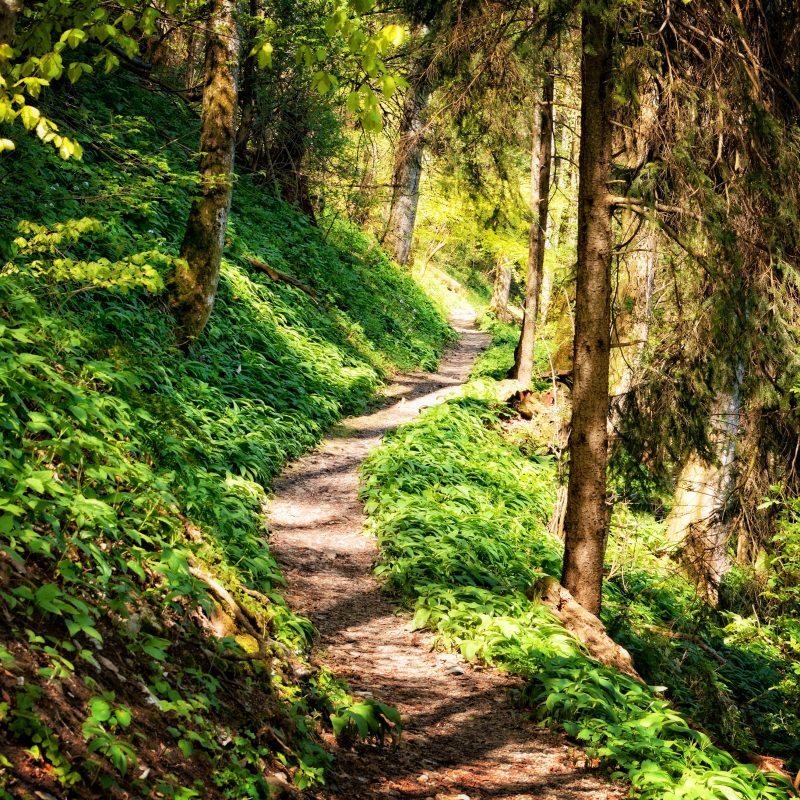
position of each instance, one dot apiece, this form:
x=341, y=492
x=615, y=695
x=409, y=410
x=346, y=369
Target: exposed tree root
x=246, y=619
x=584, y=625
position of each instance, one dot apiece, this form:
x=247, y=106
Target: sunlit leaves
x=367, y=49
x=51, y=47
x=136, y=271
x=75, y=36
x=263, y=54
x=29, y=116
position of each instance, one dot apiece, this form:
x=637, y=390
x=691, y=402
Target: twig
x=689, y=637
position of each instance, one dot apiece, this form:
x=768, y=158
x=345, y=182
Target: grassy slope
x=459, y=513
x=124, y=462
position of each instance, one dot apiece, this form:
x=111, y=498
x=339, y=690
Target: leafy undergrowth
x=459, y=513
x=735, y=674
x=145, y=649
x=496, y=361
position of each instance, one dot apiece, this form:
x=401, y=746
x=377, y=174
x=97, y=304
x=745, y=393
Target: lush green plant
x=497, y=360
x=459, y=512
x=744, y=689
x=125, y=462
x=366, y=719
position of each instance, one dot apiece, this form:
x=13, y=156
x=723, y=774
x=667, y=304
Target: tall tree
x=541, y=159
x=634, y=290
x=638, y=257
x=408, y=164
x=586, y=520
x=247, y=89
x=195, y=281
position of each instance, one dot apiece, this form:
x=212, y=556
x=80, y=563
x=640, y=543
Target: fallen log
x=281, y=277
x=584, y=625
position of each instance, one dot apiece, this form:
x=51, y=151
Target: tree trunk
x=408, y=170
x=586, y=520
x=636, y=277
x=362, y=204
x=548, y=274
x=194, y=285
x=696, y=525
x=541, y=159
x=247, y=89
x=501, y=292
x=632, y=321
x=9, y=11
x=191, y=57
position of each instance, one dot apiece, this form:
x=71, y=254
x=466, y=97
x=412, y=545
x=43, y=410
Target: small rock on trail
x=462, y=736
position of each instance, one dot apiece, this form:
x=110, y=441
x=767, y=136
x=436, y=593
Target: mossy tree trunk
x=635, y=285
x=408, y=169
x=541, y=160
x=586, y=519
x=635, y=280
x=194, y=284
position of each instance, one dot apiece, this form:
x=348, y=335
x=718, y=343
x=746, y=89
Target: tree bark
x=586, y=520
x=548, y=275
x=697, y=530
x=636, y=277
x=408, y=169
x=632, y=321
x=9, y=11
x=541, y=160
x=582, y=624
x=194, y=284
x=191, y=57
x=501, y=292
x=247, y=88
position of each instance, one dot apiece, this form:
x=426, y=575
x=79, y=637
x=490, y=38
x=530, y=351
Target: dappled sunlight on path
x=462, y=736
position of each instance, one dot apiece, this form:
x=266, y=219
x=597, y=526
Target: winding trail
x=462, y=737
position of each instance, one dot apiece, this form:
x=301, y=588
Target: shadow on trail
x=462, y=735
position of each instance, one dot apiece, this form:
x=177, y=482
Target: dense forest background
x=224, y=225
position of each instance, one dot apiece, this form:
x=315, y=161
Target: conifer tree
x=586, y=520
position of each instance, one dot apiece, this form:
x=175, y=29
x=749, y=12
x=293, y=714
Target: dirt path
x=462, y=738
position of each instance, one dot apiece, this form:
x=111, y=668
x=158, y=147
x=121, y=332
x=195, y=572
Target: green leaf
x=29, y=116
x=46, y=596
x=264, y=55
x=100, y=709
x=123, y=716
x=73, y=37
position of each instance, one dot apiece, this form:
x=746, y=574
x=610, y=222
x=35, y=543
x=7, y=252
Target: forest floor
x=462, y=737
